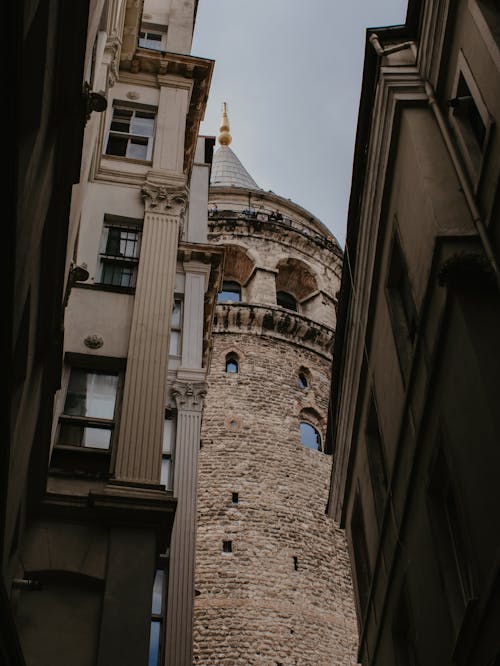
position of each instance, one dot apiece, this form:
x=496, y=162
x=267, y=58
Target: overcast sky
x=290, y=72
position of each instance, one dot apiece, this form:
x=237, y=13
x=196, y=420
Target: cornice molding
x=288, y=232
x=273, y=321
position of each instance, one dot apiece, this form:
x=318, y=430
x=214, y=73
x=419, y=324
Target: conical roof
x=227, y=170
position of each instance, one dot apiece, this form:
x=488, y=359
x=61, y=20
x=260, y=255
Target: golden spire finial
x=224, y=137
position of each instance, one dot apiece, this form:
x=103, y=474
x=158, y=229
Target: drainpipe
x=464, y=183
x=387, y=50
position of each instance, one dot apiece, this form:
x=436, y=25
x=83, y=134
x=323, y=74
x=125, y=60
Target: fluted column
x=189, y=400
x=138, y=457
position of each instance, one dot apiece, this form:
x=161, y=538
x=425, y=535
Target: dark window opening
x=302, y=381
x=465, y=109
x=167, y=451
x=376, y=462
x=403, y=632
x=230, y=292
x=309, y=436
x=451, y=540
x=232, y=363
x=295, y=563
x=227, y=546
x=235, y=498
x=361, y=561
x=286, y=300
x=158, y=609
x=401, y=306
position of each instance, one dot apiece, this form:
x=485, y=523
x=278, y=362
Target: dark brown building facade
x=415, y=424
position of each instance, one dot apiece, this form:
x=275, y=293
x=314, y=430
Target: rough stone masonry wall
x=259, y=605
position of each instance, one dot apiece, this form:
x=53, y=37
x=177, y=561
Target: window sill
x=128, y=160
x=99, y=286
x=79, y=462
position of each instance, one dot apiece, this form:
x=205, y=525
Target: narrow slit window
x=227, y=546
x=232, y=365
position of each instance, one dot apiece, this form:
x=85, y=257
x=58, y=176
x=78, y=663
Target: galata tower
x=272, y=571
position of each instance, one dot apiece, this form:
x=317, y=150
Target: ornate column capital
x=162, y=199
x=111, y=57
x=189, y=396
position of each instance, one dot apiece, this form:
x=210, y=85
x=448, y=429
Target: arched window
x=232, y=362
x=309, y=436
x=286, y=300
x=230, y=292
x=302, y=380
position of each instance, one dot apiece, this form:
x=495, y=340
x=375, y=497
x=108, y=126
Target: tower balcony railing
x=276, y=322
x=257, y=220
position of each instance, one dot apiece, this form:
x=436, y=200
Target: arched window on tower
x=230, y=292
x=286, y=300
x=232, y=364
x=309, y=436
x=302, y=380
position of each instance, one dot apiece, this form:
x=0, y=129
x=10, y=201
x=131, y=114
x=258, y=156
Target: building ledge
x=276, y=322
x=120, y=505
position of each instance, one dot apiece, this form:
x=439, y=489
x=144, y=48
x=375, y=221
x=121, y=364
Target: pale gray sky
x=290, y=72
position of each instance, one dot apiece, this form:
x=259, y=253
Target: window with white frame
x=153, y=37
x=168, y=447
x=88, y=419
x=131, y=132
x=120, y=247
x=86, y=427
x=176, y=328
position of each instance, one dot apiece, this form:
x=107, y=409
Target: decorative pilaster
x=189, y=399
x=196, y=282
x=139, y=444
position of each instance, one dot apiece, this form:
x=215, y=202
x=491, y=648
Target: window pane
x=117, y=145
x=158, y=592
x=76, y=397
x=165, y=472
x=76, y=435
x=118, y=274
x=143, y=124
x=91, y=394
x=231, y=291
x=175, y=322
x=309, y=436
x=138, y=149
x=96, y=438
x=175, y=343
x=150, y=41
x=168, y=435
x=128, y=243
x=113, y=242
x=231, y=366
x=101, y=395
x=154, y=643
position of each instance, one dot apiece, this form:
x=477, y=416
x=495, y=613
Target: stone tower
x=272, y=571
